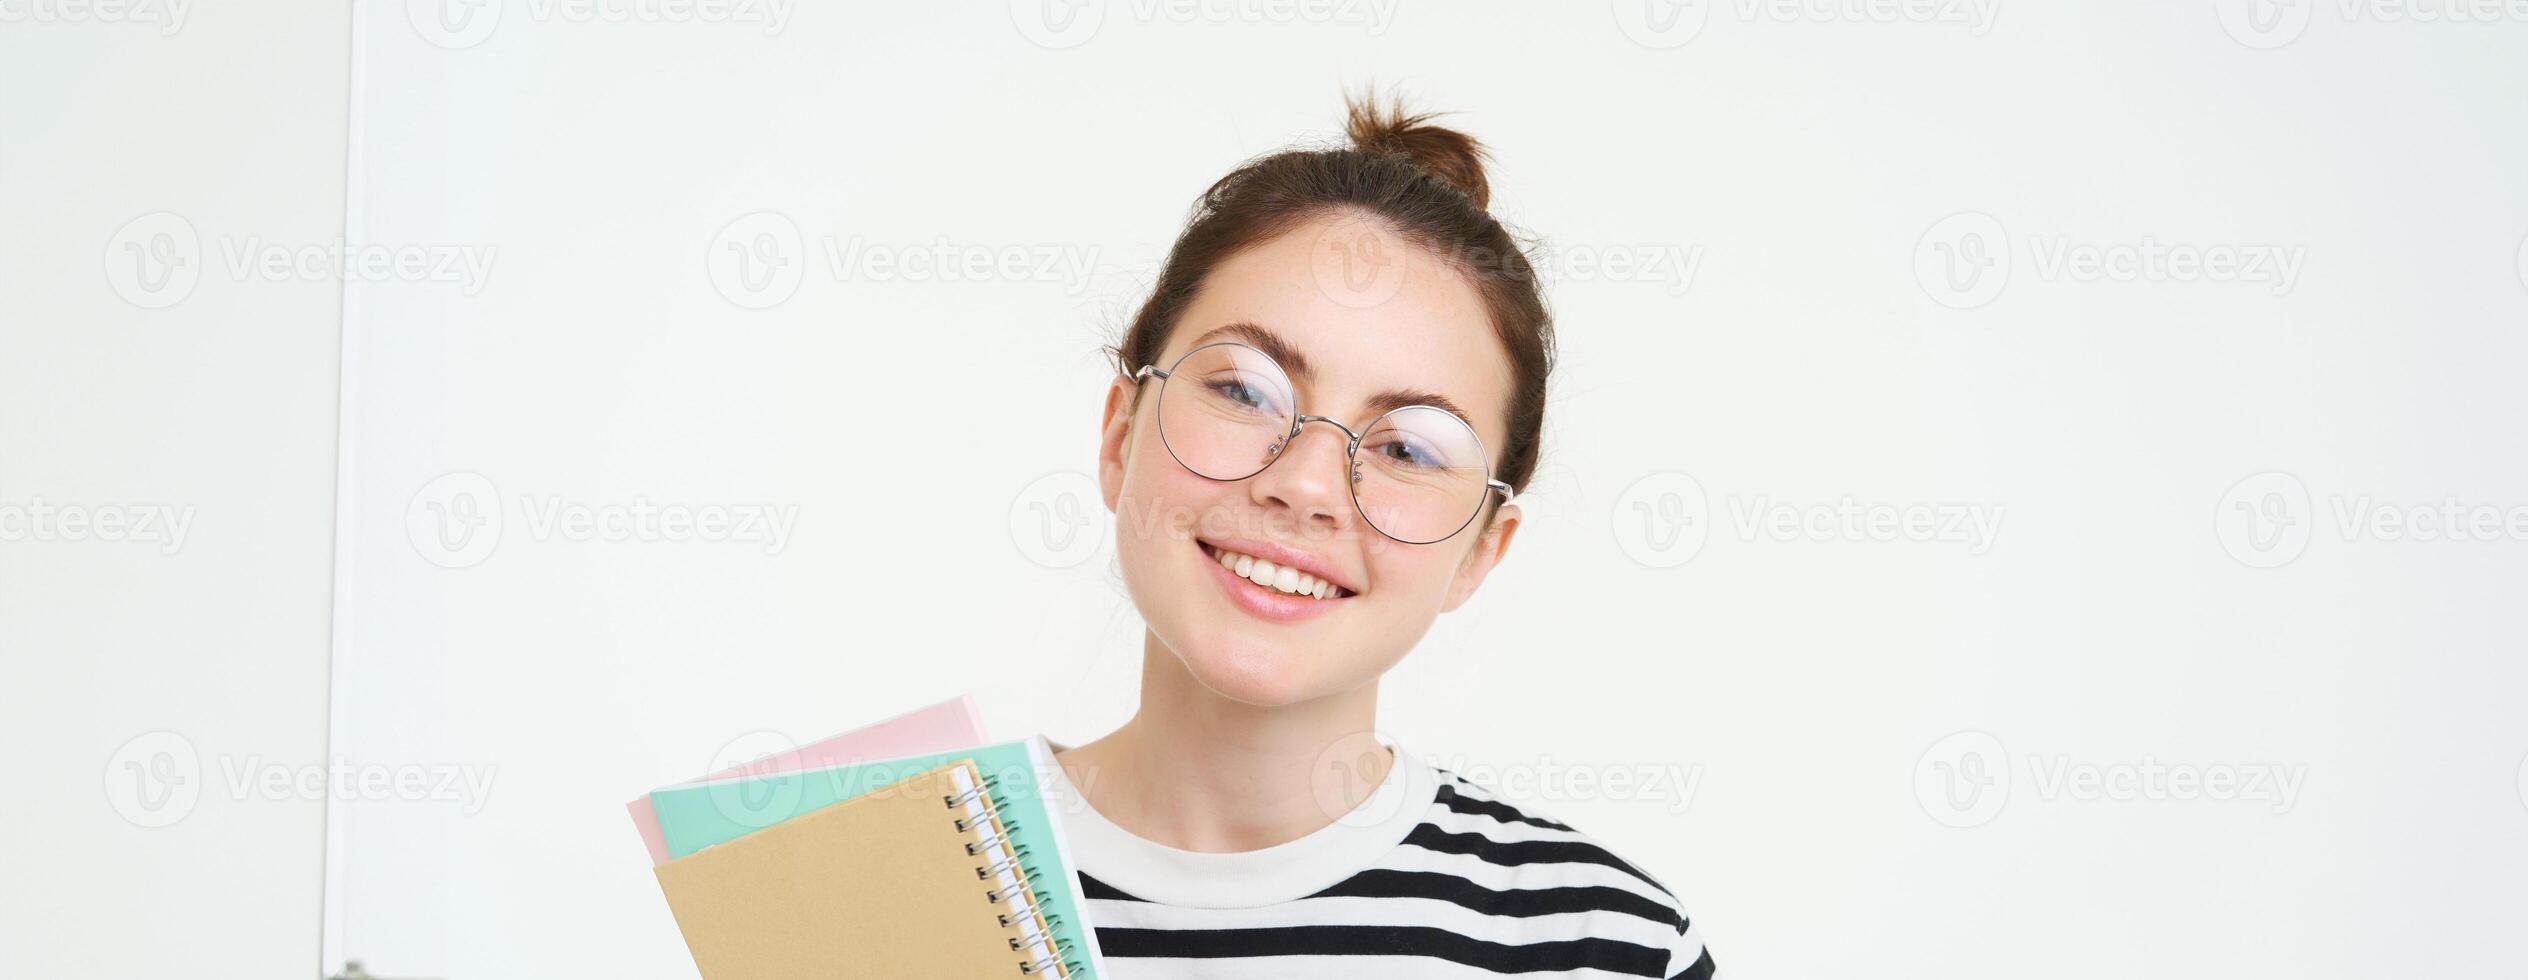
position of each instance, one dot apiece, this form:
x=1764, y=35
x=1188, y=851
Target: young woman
x=1320, y=418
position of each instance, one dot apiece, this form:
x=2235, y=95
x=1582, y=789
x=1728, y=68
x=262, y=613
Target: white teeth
x=1271, y=576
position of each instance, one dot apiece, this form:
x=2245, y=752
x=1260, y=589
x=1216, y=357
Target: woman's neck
x=1199, y=772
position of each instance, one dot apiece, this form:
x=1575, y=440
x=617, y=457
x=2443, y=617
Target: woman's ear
x=1490, y=547
x=1114, y=439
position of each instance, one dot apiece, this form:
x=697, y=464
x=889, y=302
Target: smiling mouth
x=1266, y=575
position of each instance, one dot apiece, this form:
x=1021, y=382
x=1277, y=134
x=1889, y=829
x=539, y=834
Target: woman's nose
x=1311, y=474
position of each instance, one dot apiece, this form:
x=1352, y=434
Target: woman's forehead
x=1427, y=331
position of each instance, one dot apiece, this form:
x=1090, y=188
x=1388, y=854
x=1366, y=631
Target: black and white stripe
x=1477, y=888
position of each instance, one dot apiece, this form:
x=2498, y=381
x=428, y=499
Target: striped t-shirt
x=1430, y=877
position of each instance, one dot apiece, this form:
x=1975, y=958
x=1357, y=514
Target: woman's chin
x=1259, y=674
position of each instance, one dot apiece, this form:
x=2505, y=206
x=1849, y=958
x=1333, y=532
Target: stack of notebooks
x=905, y=849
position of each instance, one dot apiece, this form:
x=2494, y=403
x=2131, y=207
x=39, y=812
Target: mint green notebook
x=695, y=816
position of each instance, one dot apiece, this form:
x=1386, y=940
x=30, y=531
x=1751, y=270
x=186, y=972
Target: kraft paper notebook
x=934, y=866
x=947, y=725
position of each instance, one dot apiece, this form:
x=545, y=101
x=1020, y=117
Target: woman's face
x=1368, y=315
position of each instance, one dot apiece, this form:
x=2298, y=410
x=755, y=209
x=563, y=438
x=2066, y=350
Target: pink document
x=942, y=727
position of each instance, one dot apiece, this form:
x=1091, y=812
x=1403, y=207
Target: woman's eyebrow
x=1264, y=340
x=1395, y=398
x=1291, y=360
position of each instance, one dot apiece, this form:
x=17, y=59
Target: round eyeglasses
x=1226, y=410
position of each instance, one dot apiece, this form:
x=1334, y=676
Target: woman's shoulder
x=1523, y=862
x=1468, y=817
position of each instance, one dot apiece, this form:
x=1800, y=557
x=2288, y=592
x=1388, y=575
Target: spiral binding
x=1023, y=910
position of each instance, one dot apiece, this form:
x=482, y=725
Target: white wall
x=1813, y=690
x=193, y=645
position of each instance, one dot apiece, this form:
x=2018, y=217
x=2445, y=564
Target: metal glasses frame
x=1351, y=447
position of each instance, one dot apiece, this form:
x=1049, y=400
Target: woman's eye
x=1405, y=453
x=1238, y=391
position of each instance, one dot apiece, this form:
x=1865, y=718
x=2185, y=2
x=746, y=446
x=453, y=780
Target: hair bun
x=1453, y=157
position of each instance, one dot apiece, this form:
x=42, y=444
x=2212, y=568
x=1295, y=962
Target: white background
x=1809, y=160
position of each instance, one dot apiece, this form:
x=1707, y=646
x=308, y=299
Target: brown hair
x=1426, y=183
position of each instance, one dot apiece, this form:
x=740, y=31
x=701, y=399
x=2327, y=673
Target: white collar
x=1284, y=872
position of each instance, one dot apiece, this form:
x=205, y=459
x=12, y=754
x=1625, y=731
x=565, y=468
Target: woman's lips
x=1262, y=602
